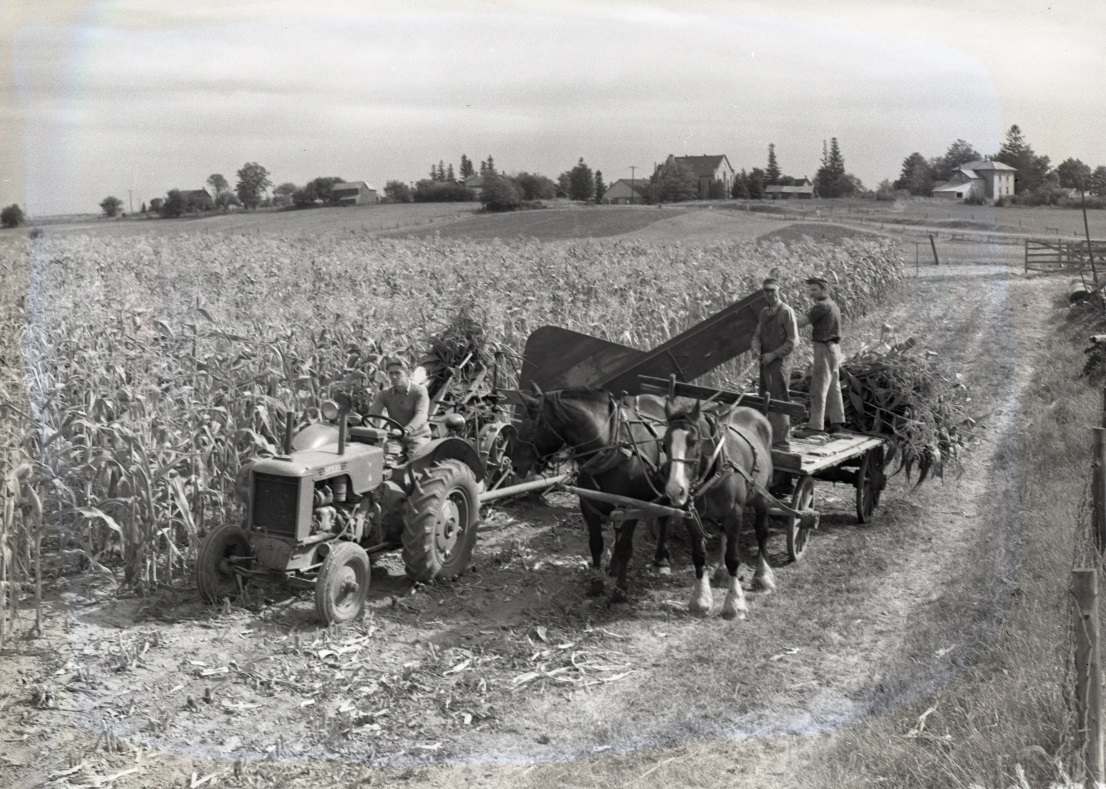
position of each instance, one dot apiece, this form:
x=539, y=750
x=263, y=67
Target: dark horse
x=721, y=465
x=617, y=448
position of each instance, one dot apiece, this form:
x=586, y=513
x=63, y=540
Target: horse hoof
x=617, y=596
x=730, y=613
x=764, y=584
x=700, y=607
x=596, y=587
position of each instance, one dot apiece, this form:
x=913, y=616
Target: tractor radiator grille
x=275, y=503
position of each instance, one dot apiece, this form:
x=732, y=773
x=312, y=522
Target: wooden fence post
x=933, y=244
x=1088, y=678
x=1098, y=488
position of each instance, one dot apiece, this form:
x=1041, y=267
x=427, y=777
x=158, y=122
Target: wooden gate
x=1045, y=255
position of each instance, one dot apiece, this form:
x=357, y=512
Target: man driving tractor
x=407, y=403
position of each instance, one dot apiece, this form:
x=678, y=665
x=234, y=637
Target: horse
x=720, y=465
x=618, y=450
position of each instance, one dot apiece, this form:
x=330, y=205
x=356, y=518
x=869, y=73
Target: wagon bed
x=817, y=455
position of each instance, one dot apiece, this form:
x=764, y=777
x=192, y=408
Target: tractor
x=334, y=497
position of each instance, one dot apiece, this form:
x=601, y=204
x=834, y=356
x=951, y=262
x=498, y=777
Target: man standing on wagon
x=824, y=319
x=773, y=341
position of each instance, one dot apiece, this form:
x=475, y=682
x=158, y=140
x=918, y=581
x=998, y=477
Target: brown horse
x=721, y=466
x=617, y=449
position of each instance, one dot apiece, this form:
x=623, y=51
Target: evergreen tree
x=740, y=189
x=832, y=180
x=143, y=208
x=483, y=168
x=491, y=165
x=959, y=153
x=755, y=183
x=600, y=186
x=772, y=173
x=466, y=167
x=1016, y=152
x=917, y=175
x=449, y=173
x=441, y=170
x=581, y=182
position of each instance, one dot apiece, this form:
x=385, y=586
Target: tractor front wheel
x=443, y=513
x=218, y=553
x=342, y=584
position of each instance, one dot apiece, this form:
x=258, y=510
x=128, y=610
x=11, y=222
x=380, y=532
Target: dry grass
x=1001, y=718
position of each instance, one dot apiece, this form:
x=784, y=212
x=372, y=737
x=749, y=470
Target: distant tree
x=225, y=200
x=286, y=189
x=253, y=179
x=500, y=193
x=429, y=191
x=111, y=205
x=466, y=167
x=449, y=173
x=1073, y=174
x=174, y=205
x=491, y=165
x=398, y=192
x=832, y=179
x=886, y=190
x=143, y=208
x=535, y=186
x=1016, y=152
x=755, y=183
x=323, y=188
x=674, y=182
x=12, y=216
x=600, y=186
x=740, y=188
x=156, y=204
x=959, y=153
x=917, y=175
x=772, y=172
x=1098, y=181
x=218, y=183
x=581, y=182
x=483, y=167
x=564, y=183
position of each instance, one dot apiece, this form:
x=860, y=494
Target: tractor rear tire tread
x=436, y=484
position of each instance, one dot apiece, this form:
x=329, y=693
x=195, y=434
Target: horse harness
x=720, y=463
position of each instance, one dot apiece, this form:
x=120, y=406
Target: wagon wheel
x=870, y=481
x=797, y=533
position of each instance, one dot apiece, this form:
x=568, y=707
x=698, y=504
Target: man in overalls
x=773, y=341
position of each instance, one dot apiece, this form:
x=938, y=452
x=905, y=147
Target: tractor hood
x=362, y=463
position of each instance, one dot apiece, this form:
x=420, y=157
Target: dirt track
x=513, y=677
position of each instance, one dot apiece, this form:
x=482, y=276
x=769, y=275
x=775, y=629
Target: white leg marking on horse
x=735, y=606
x=702, y=598
x=764, y=579
x=676, y=488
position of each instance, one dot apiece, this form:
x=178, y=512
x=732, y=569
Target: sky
x=136, y=97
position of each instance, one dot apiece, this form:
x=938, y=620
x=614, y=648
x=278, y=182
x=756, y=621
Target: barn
x=354, y=193
x=713, y=172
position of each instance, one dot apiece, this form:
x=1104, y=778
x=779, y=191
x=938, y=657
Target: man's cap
x=395, y=361
x=817, y=281
x=770, y=282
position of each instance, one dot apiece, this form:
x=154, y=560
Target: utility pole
x=633, y=188
x=130, y=200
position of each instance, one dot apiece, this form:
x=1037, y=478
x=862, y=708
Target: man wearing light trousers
x=824, y=319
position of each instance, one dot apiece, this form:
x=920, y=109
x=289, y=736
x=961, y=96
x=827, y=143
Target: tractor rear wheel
x=443, y=513
x=342, y=583
x=215, y=576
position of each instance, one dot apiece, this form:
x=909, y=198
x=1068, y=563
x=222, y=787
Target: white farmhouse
x=980, y=180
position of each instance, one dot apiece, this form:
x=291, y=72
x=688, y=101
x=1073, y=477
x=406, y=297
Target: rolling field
x=151, y=366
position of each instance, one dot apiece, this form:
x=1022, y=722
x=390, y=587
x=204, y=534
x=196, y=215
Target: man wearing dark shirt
x=773, y=341
x=407, y=403
x=824, y=319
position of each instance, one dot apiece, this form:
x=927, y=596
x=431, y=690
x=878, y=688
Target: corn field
x=138, y=375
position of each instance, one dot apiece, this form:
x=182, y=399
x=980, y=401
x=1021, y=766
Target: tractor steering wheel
x=388, y=420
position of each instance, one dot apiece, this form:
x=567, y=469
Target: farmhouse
x=980, y=180
x=799, y=191
x=627, y=190
x=714, y=173
x=475, y=184
x=197, y=200
x=354, y=193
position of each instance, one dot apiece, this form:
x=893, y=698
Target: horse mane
x=592, y=393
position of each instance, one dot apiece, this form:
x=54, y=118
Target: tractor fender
x=315, y=436
x=449, y=448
